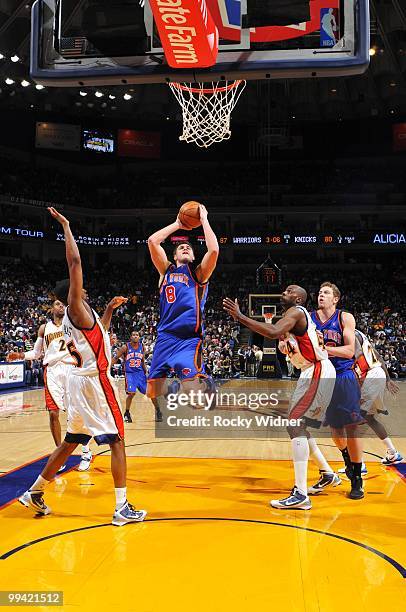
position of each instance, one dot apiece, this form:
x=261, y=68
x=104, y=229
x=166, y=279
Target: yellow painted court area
x=210, y=541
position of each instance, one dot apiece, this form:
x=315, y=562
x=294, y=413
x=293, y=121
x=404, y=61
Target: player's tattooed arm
x=346, y=351
x=116, y=302
x=292, y=317
x=158, y=255
x=80, y=313
x=206, y=268
x=120, y=353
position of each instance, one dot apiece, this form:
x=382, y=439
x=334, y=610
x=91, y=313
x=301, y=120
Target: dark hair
x=61, y=290
x=180, y=244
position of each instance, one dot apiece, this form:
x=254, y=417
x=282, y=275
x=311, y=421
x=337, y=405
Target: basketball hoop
x=268, y=316
x=206, y=110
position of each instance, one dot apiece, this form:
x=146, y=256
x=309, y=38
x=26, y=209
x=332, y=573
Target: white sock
x=39, y=484
x=300, y=450
x=389, y=446
x=85, y=448
x=121, y=497
x=318, y=457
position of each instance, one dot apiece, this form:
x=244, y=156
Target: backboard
x=101, y=42
x=260, y=304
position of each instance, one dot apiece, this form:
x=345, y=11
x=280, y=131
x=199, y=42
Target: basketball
x=189, y=214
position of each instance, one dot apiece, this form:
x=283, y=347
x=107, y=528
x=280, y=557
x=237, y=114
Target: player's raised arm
x=116, y=302
x=272, y=331
x=158, y=255
x=81, y=315
x=206, y=268
x=347, y=350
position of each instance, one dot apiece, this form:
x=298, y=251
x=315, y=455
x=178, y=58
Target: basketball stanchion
x=206, y=110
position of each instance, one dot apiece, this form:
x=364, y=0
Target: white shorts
x=93, y=409
x=313, y=393
x=55, y=382
x=373, y=391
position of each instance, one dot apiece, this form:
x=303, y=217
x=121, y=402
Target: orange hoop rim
x=206, y=90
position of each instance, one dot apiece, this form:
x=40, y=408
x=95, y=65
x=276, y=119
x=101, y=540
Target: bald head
x=301, y=294
x=292, y=296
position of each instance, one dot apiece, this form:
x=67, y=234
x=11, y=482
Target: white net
x=206, y=110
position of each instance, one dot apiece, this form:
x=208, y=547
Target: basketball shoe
x=85, y=462
x=35, y=500
x=127, y=417
x=128, y=514
x=326, y=480
x=357, y=491
x=296, y=499
x=392, y=459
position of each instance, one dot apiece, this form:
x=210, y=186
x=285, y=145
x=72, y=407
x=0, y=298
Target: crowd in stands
x=373, y=296
x=162, y=185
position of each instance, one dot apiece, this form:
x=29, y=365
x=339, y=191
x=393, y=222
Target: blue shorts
x=135, y=381
x=344, y=408
x=184, y=356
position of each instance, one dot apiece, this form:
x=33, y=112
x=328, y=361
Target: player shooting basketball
x=183, y=290
x=313, y=392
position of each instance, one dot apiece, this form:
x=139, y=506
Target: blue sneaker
x=296, y=499
x=128, y=514
x=35, y=500
x=392, y=459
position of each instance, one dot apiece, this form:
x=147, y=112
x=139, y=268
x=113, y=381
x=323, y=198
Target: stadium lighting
x=112, y=97
x=372, y=51
x=25, y=83
x=15, y=58
x=99, y=94
x=83, y=93
x=39, y=87
x=1, y=56
x=9, y=81
x=127, y=96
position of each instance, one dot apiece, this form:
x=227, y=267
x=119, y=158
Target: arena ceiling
x=381, y=92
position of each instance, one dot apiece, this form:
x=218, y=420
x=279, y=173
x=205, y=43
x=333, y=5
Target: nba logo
x=329, y=27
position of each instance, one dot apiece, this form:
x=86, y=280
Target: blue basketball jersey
x=133, y=359
x=332, y=330
x=182, y=300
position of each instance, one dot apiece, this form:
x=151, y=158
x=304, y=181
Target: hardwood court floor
x=211, y=540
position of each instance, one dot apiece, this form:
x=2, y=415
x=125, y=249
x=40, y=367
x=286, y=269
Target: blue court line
x=14, y=483
x=397, y=566
x=401, y=468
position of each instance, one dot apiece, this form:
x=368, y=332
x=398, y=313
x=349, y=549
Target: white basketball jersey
x=304, y=351
x=90, y=348
x=55, y=349
x=365, y=358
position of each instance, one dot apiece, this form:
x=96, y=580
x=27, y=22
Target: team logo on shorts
x=186, y=371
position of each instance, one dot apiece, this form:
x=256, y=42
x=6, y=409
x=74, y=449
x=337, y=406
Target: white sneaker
x=296, y=499
x=35, y=500
x=363, y=469
x=61, y=469
x=128, y=514
x=84, y=464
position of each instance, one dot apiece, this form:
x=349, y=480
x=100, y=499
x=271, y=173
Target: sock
x=346, y=457
x=85, y=448
x=318, y=457
x=121, y=497
x=357, y=469
x=389, y=446
x=300, y=450
x=39, y=484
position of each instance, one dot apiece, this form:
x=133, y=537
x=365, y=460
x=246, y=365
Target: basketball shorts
x=373, y=391
x=93, y=409
x=55, y=383
x=313, y=393
x=183, y=356
x=135, y=381
x=345, y=405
